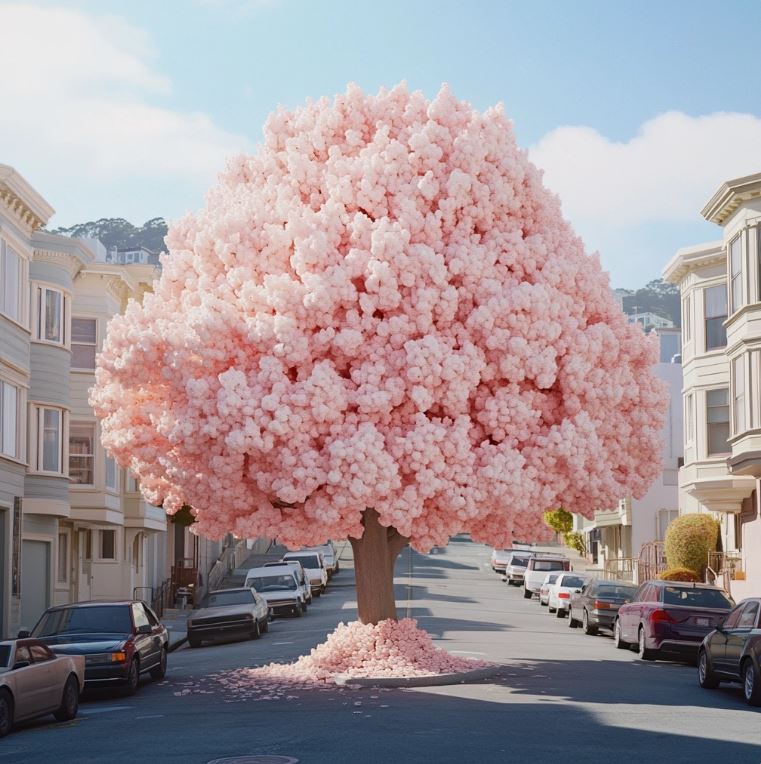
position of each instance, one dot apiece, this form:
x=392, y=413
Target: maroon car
x=670, y=618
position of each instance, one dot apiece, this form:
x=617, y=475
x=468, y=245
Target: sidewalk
x=175, y=621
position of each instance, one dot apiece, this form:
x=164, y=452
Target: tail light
x=602, y=605
x=563, y=595
x=661, y=616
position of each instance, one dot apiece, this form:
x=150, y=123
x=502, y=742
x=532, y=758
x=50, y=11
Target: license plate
x=703, y=621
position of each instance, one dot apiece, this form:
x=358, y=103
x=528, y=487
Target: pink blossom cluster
x=382, y=307
x=356, y=650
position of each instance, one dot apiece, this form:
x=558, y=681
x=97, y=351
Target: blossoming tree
x=380, y=327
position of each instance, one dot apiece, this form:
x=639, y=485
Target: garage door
x=35, y=578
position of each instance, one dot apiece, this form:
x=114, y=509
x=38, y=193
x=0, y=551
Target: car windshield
x=572, y=581
x=307, y=560
x=97, y=619
x=218, y=599
x=608, y=590
x=272, y=583
x=549, y=565
x=519, y=562
x=5, y=654
x=678, y=595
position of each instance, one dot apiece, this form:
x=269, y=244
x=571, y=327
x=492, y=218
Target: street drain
x=259, y=759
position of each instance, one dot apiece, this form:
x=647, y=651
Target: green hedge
x=689, y=539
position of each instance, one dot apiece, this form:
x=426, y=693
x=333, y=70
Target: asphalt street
x=561, y=694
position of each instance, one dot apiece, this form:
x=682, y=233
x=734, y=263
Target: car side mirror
x=144, y=629
x=24, y=634
x=21, y=664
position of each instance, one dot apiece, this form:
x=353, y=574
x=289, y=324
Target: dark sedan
x=732, y=652
x=120, y=640
x=670, y=618
x=596, y=605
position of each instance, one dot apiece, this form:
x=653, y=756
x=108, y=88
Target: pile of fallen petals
x=356, y=650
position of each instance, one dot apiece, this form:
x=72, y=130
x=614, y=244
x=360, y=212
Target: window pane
x=83, y=330
x=51, y=440
x=108, y=545
x=11, y=283
x=110, y=472
x=52, y=315
x=8, y=417
x=82, y=356
x=716, y=301
x=716, y=334
x=81, y=444
x=718, y=397
x=718, y=435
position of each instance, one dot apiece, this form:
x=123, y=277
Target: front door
x=35, y=581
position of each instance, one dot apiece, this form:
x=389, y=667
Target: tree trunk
x=374, y=556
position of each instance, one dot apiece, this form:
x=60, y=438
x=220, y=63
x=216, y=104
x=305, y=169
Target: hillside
x=656, y=297
x=117, y=232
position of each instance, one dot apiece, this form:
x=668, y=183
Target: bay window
x=735, y=273
x=715, y=305
x=738, y=395
x=717, y=421
x=686, y=319
x=48, y=440
x=51, y=308
x=9, y=420
x=83, y=343
x=111, y=473
x=82, y=453
x=10, y=281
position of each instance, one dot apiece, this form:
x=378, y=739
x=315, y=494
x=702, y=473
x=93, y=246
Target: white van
x=279, y=588
x=301, y=577
x=314, y=567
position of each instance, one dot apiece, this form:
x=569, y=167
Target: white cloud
x=80, y=102
x=666, y=173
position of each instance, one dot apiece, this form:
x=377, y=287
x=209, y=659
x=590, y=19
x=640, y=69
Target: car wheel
x=543, y=603
x=317, y=593
x=297, y=611
x=303, y=607
x=323, y=589
x=751, y=684
x=133, y=677
x=159, y=671
x=618, y=640
x=559, y=613
x=588, y=627
x=526, y=594
x=550, y=609
x=706, y=678
x=6, y=713
x=572, y=622
x=644, y=652
x=256, y=632
x=265, y=626
x=69, y=700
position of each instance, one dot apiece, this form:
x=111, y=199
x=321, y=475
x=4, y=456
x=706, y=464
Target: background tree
x=560, y=520
x=380, y=327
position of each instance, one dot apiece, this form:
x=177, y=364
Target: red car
x=670, y=618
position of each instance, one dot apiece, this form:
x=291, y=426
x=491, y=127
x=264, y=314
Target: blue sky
x=636, y=111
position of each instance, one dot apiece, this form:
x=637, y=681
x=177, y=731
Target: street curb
x=419, y=681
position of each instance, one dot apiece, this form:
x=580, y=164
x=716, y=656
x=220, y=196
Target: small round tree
x=689, y=539
x=380, y=328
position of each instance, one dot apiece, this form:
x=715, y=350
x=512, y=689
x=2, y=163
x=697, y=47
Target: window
x=665, y=517
x=749, y=616
x=108, y=545
x=735, y=273
x=689, y=417
x=81, y=453
x=51, y=318
x=111, y=473
x=88, y=544
x=133, y=484
x=733, y=617
x=49, y=440
x=9, y=418
x=686, y=319
x=63, y=558
x=83, y=343
x=717, y=418
x=738, y=394
x=715, y=299
x=10, y=282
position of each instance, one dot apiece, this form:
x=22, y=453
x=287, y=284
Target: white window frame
x=711, y=454
x=65, y=535
x=114, y=486
x=5, y=388
x=686, y=319
x=6, y=288
x=707, y=318
x=735, y=293
x=40, y=291
x=36, y=447
x=739, y=416
x=93, y=345
x=91, y=428
x=689, y=417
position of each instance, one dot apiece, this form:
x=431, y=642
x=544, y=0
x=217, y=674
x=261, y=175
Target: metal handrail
x=142, y=588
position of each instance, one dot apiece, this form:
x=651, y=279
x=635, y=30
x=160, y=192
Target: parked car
x=732, y=652
x=301, y=577
x=329, y=556
x=279, y=588
x=544, y=589
x=537, y=568
x=560, y=591
x=499, y=559
x=596, y=605
x=119, y=640
x=34, y=681
x=314, y=567
x=516, y=567
x=670, y=618
x=229, y=612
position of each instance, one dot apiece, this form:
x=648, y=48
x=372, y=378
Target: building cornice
x=729, y=196
x=26, y=205
x=689, y=259
x=62, y=251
